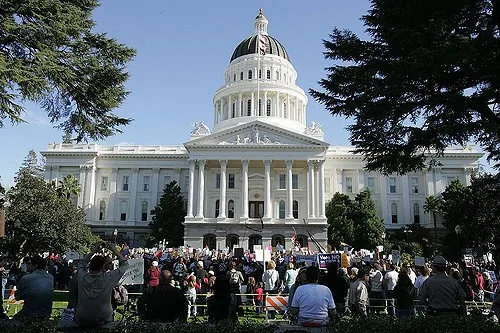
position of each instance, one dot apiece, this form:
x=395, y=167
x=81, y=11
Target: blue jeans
x=4, y=283
x=405, y=312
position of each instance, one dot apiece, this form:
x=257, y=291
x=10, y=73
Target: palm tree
x=67, y=186
x=433, y=204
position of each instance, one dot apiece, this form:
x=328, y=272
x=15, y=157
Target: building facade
x=260, y=174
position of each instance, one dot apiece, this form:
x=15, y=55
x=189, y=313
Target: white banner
x=134, y=273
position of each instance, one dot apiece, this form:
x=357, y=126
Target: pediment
x=255, y=134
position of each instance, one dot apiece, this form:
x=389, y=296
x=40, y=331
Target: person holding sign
x=95, y=285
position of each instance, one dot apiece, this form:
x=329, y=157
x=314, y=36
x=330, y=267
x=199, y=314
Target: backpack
x=119, y=295
x=234, y=277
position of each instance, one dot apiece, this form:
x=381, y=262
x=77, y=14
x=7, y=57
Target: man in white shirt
x=390, y=280
x=312, y=302
x=376, y=294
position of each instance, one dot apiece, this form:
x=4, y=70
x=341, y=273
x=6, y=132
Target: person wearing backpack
x=235, y=279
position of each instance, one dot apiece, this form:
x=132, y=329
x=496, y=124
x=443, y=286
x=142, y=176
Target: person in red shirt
x=478, y=283
x=259, y=298
x=153, y=275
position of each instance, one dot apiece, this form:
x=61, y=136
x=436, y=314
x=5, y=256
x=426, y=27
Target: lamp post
x=383, y=241
x=115, y=233
x=458, y=231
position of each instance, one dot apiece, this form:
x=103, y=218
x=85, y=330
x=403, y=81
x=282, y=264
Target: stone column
x=289, y=206
x=230, y=108
x=201, y=192
x=252, y=109
x=154, y=187
x=222, y=206
x=134, y=184
x=112, y=195
x=267, y=189
x=321, y=188
x=383, y=199
x=264, y=104
x=244, y=189
x=405, y=191
x=192, y=164
x=83, y=184
x=239, y=105
x=311, y=190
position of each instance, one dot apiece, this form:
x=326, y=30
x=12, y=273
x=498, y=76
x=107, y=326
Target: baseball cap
x=439, y=261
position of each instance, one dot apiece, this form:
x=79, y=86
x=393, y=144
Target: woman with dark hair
x=222, y=305
x=403, y=293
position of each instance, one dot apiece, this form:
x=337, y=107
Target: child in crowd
x=259, y=298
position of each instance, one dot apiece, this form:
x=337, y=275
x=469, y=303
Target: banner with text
x=134, y=273
x=325, y=258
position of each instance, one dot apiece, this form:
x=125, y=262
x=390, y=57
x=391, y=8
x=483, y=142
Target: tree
x=38, y=220
x=49, y=55
x=168, y=217
x=32, y=165
x=68, y=186
x=368, y=228
x=427, y=78
x=433, y=205
x=340, y=224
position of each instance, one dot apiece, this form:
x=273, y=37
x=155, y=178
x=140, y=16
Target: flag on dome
x=262, y=44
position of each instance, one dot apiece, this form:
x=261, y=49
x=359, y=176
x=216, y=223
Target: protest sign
x=325, y=258
x=308, y=259
x=493, y=276
x=395, y=256
x=134, y=273
x=419, y=261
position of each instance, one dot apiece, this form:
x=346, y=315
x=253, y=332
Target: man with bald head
x=163, y=303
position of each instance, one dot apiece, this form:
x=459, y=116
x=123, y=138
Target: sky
x=183, y=48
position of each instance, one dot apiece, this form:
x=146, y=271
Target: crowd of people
x=178, y=285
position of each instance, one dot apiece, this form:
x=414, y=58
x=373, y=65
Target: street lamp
x=458, y=231
x=383, y=241
x=407, y=231
x=115, y=233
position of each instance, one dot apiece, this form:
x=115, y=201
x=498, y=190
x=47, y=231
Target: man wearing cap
x=441, y=293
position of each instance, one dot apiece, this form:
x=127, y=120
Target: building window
x=250, y=74
x=416, y=213
x=145, y=183
x=348, y=184
x=230, y=209
x=282, y=181
x=284, y=77
x=282, y=210
x=370, y=183
x=295, y=181
x=102, y=210
x=125, y=181
x=166, y=180
x=277, y=75
x=249, y=107
x=241, y=75
x=295, y=209
x=123, y=211
x=230, y=183
x=104, y=183
x=392, y=185
x=260, y=74
x=414, y=185
x=268, y=74
x=328, y=187
x=144, y=211
x=268, y=107
x=233, y=111
x=217, y=205
x=284, y=110
x=260, y=107
x=217, y=180
x=234, y=77
x=394, y=213
x=241, y=108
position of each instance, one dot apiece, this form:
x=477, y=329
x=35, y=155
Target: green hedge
x=383, y=324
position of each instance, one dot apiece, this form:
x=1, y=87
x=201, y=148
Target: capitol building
x=260, y=172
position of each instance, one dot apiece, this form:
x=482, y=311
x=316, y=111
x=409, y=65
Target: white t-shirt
x=392, y=279
x=313, y=301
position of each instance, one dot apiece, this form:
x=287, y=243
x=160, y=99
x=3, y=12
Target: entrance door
x=255, y=209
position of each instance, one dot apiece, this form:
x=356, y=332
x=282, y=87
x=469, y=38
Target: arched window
x=144, y=211
x=260, y=74
x=277, y=239
x=233, y=111
x=234, y=77
x=232, y=240
x=284, y=110
x=260, y=107
x=250, y=74
x=123, y=210
x=268, y=107
x=277, y=75
x=241, y=75
x=217, y=204
x=302, y=240
x=284, y=77
x=102, y=210
x=241, y=108
x=416, y=213
x=249, y=107
x=282, y=209
x=295, y=209
x=230, y=209
x=394, y=213
x=268, y=74
x=210, y=240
